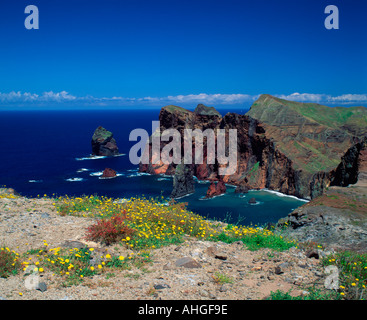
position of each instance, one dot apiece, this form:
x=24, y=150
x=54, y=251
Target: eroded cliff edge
x=295, y=148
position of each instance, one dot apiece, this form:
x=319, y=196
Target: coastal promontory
x=299, y=149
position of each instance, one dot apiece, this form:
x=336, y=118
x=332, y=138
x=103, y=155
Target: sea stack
x=108, y=173
x=183, y=181
x=252, y=201
x=216, y=189
x=103, y=143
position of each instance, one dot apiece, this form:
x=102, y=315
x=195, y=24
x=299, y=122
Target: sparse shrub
x=352, y=273
x=313, y=294
x=9, y=263
x=221, y=278
x=109, y=230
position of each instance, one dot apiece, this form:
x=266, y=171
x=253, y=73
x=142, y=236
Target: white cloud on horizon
x=32, y=99
x=324, y=98
x=304, y=97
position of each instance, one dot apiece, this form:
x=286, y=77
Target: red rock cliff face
x=216, y=189
x=180, y=119
x=266, y=154
x=259, y=164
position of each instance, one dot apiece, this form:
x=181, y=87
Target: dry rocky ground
x=27, y=223
x=337, y=219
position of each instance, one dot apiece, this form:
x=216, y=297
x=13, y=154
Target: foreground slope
x=191, y=269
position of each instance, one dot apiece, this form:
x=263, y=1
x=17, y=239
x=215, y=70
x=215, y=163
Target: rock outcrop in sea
x=295, y=148
x=108, y=173
x=103, y=143
x=183, y=181
x=216, y=189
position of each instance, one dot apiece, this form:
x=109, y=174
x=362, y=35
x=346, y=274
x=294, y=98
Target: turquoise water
x=231, y=206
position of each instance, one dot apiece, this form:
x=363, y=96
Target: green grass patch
x=313, y=294
x=222, y=278
x=352, y=273
x=256, y=240
x=9, y=262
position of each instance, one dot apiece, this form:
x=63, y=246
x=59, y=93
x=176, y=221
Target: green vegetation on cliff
x=313, y=136
x=101, y=134
x=175, y=109
x=275, y=111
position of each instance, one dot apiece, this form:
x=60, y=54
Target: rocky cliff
x=296, y=148
x=183, y=181
x=337, y=219
x=103, y=143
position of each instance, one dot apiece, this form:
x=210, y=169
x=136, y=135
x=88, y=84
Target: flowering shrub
x=157, y=222
x=109, y=230
x=84, y=205
x=74, y=265
x=353, y=273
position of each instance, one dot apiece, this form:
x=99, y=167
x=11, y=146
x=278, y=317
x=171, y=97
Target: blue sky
x=153, y=52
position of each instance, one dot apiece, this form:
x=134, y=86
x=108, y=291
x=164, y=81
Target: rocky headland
x=301, y=149
x=295, y=148
x=337, y=219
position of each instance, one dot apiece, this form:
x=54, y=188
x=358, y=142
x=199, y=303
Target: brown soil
x=27, y=223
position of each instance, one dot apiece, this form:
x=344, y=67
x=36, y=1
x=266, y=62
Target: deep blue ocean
x=46, y=152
